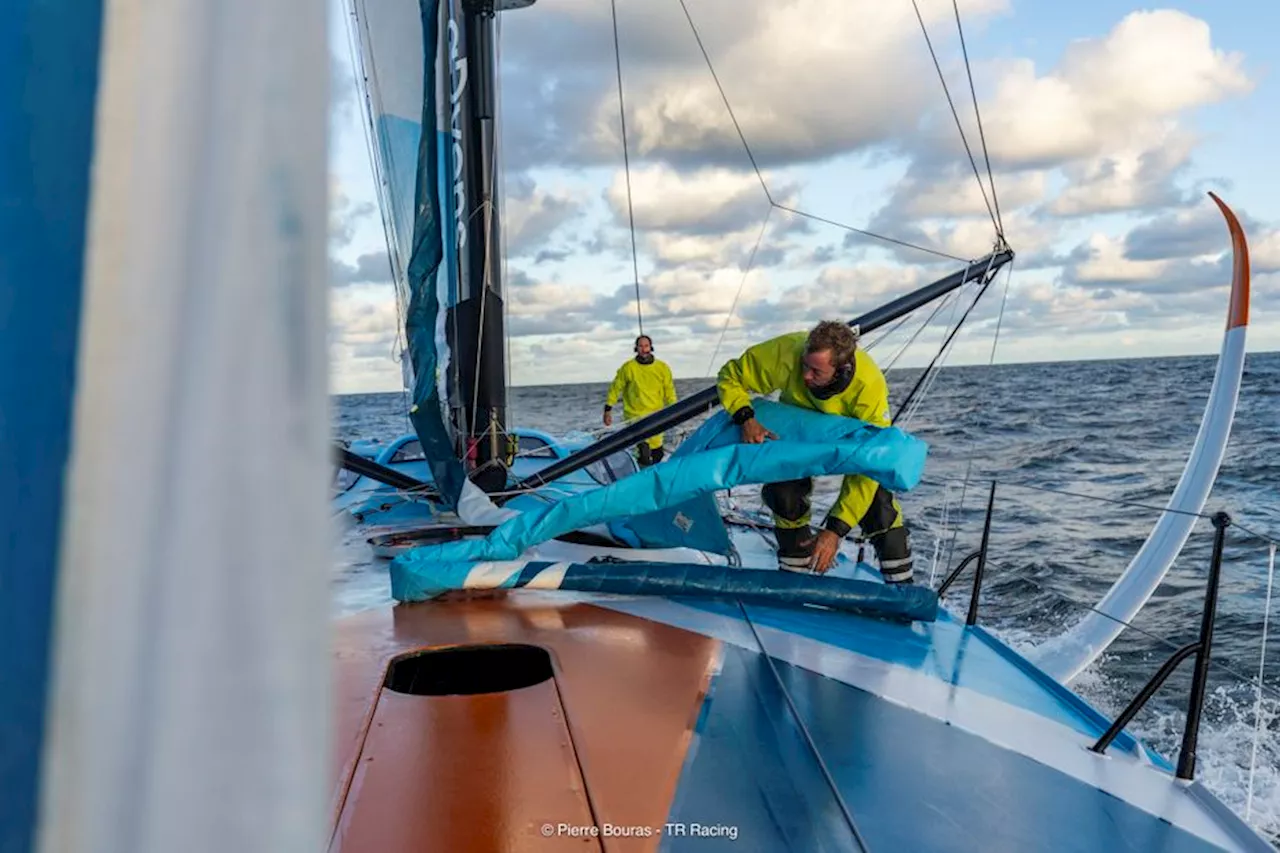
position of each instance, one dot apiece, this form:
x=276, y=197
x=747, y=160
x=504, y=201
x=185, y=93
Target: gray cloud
x=372, y=267
x=532, y=216
x=1182, y=234
x=345, y=216
x=560, y=92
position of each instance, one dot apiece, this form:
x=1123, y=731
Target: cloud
x=1102, y=262
x=706, y=219
x=1108, y=93
x=781, y=74
x=705, y=202
x=371, y=267
x=532, y=215
x=1140, y=176
x=363, y=333
x=345, y=215
x=1104, y=130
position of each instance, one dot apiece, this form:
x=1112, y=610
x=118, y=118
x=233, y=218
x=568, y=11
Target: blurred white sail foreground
x=188, y=703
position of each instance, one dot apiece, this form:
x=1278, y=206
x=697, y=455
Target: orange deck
x=598, y=746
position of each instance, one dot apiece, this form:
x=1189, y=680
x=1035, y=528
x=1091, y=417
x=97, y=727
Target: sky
x=1105, y=124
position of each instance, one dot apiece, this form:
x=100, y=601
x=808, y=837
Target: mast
x=474, y=320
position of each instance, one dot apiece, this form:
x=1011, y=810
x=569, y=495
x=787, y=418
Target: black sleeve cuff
x=743, y=415
x=837, y=526
x=608, y=408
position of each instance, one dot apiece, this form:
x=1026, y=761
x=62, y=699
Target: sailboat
x=165, y=649
x=660, y=685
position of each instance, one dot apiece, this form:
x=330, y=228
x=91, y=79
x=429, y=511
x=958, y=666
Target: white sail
x=189, y=704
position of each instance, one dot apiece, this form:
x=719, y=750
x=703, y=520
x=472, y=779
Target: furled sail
x=810, y=444
x=429, y=79
x=411, y=66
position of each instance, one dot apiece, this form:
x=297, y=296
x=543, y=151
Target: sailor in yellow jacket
x=645, y=385
x=825, y=371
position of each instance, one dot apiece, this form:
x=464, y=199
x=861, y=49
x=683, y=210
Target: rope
x=760, y=175
x=372, y=93
x=1264, y=537
x=734, y=307
x=947, y=91
x=978, y=115
x=932, y=374
x=804, y=730
x=887, y=333
x=626, y=160
x=1272, y=692
x=942, y=530
x=1117, y=501
x=968, y=468
x=951, y=299
x=503, y=258
x=1262, y=661
x=873, y=234
x=945, y=344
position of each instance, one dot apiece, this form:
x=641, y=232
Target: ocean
x=1084, y=455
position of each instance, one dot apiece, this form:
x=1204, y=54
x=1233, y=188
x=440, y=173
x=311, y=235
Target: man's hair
x=836, y=337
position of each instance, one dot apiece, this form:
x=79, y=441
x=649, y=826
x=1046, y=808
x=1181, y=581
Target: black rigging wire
x=804, y=730
x=760, y=175
x=626, y=159
x=987, y=279
x=955, y=114
x=751, y=259
x=978, y=115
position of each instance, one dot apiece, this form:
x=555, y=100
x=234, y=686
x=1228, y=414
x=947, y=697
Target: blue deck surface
x=909, y=781
x=943, y=650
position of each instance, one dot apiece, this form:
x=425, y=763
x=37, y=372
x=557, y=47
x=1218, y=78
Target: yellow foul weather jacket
x=776, y=365
x=644, y=389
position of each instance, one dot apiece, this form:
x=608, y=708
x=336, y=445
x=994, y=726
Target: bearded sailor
x=644, y=384
x=822, y=370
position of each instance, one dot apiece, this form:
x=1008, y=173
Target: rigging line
x=501, y=190
x=1272, y=692
x=931, y=375
x=368, y=94
x=968, y=468
x=487, y=281
x=1000, y=317
x=698, y=37
x=760, y=175
x=1014, y=484
x=1264, y=537
x=950, y=299
x=947, y=91
x=751, y=259
x=884, y=336
x=906, y=404
x=804, y=730
x=1262, y=662
x=978, y=115
x=872, y=234
x=626, y=160
x=930, y=379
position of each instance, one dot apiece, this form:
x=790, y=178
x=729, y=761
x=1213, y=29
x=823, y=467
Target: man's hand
x=753, y=432
x=608, y=418
x=824, y=551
